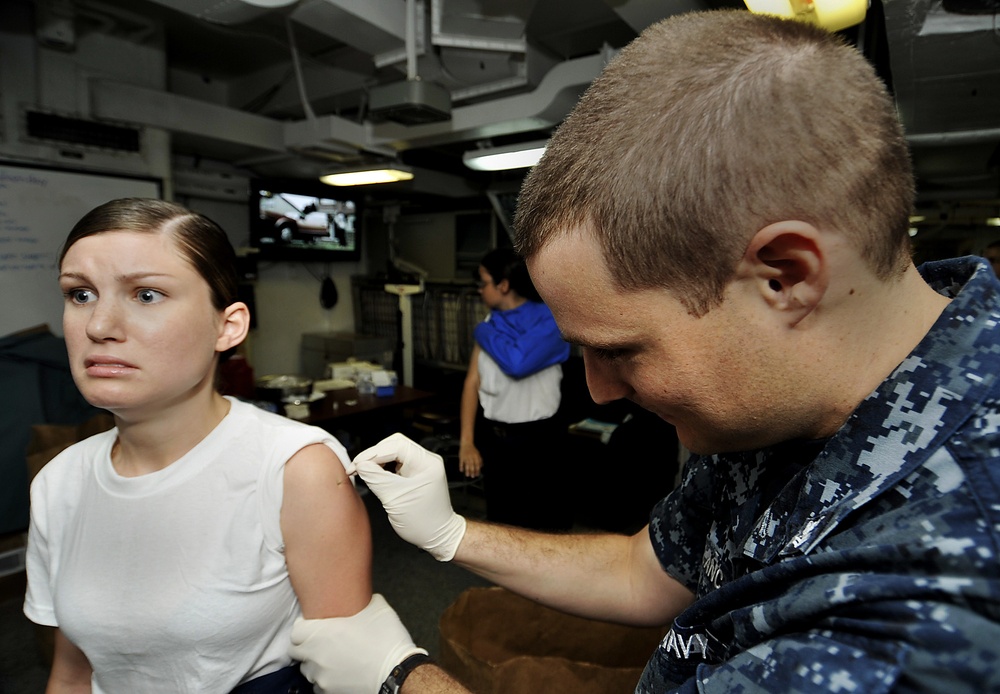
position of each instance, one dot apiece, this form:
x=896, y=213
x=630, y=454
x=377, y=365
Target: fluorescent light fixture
x=832, y=15
x=517, y=156
x=367, y=176
x=993, y=221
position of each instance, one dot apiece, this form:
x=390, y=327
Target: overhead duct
x=412, y=102
x=946, y=81
x=226, y=11
x=374, y=27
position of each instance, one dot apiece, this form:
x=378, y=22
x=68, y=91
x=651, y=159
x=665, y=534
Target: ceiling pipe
x=961, y=137
x=411, y=39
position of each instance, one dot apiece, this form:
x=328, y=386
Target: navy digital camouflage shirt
x=864, y=563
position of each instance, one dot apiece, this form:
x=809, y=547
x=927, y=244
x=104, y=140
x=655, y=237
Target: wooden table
x=366, y=416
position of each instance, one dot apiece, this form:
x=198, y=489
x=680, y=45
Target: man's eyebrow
x=607, y=345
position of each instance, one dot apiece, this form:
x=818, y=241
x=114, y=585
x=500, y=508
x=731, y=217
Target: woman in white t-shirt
x=174, y=552
x=511, y=396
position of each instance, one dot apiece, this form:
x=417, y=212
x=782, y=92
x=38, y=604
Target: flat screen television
x=294, y=219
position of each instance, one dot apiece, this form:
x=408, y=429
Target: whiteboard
x=38, y=207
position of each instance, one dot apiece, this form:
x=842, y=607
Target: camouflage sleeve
x=679, y=523
x=892, y=647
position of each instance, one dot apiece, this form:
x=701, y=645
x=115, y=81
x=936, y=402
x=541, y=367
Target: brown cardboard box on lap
x=496, y=642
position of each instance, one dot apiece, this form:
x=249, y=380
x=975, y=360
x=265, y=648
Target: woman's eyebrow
x=141, y=275
x=129, y=277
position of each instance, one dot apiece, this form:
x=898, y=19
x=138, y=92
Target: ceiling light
x=832, y=15
x=993, y=221
x=365, y=177
x=517, y=156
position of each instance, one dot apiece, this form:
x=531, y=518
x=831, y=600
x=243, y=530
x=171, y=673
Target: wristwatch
x=399, y=673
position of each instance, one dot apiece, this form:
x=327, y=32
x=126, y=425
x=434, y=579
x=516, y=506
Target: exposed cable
x=310, y=114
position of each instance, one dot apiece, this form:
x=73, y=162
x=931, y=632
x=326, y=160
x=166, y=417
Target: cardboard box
x=496, y=642
x=320, y=349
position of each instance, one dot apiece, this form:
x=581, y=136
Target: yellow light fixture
x=832, y=15
x=993, y=221
x=366, y=177
x=519, y=156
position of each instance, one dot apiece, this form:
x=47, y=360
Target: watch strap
x=399, y=673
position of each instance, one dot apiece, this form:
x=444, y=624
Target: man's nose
x=603, y=381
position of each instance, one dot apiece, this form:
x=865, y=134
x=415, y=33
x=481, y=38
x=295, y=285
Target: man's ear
x=234, y=327
x=786, y=263
x=503, y=286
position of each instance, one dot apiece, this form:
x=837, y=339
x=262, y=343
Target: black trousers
x=524, y=473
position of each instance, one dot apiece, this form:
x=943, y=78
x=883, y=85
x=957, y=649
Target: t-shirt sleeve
x=38, y=603
x=293, y=437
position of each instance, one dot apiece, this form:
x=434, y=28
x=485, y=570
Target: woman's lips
x=107, y=366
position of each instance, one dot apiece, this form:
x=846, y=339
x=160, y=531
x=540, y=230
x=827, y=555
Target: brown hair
x=709, y=127
x=505, y=264
x=202, y=242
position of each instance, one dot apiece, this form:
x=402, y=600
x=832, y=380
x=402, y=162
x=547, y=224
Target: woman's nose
x=105, y=323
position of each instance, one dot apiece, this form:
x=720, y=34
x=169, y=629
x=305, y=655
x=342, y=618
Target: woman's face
x=139, y=323
x=488, y=290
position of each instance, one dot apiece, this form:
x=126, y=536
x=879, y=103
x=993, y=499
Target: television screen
x=302, y=220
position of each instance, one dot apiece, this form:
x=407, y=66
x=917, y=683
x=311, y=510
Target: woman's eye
x=148, y=296
x=80, y=296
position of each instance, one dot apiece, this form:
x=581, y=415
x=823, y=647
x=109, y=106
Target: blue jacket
x=523, y=340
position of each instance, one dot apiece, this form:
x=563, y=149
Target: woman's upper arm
x=472, y=374
x=326, y=534
x=71, y=671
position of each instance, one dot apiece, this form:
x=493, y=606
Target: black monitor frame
x=304, y=220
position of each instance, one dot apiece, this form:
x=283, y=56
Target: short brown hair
x=709, y=127
x=203, y=242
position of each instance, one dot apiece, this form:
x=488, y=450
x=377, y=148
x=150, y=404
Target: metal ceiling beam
x=372, y=26
x=543, y=107
x=127, y=103
x=640, y=14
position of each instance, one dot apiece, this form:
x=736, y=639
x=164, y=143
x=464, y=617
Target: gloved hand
x=416, y=499
x=348, y=655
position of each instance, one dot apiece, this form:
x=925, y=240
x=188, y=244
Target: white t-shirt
x=174, y=581
x=517, y=400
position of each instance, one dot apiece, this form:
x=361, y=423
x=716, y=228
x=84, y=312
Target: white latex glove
x=352, y=655
x=416, y=499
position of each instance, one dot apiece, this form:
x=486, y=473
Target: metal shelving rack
x=444, y=315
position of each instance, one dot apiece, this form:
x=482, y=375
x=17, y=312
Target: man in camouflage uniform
x=865, y=562
x=721, y=225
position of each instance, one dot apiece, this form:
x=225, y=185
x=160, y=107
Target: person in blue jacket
x=512, y=392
